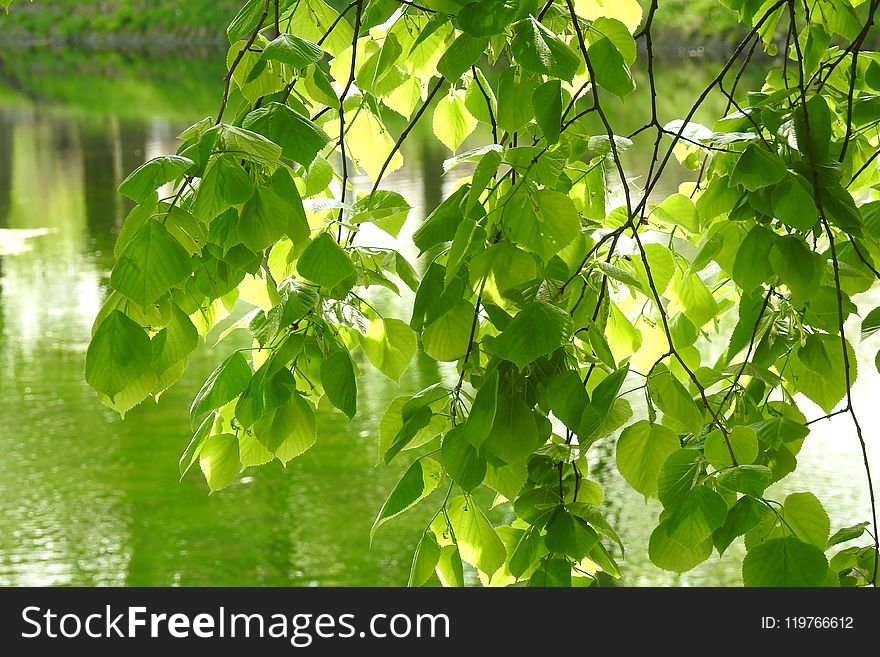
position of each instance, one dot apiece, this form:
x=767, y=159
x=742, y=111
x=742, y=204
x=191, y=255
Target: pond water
x=89, y=499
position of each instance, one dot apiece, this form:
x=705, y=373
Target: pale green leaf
x=390, y=344
x=641, y=452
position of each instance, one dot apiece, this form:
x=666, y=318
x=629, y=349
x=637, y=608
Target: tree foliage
x=563, y=291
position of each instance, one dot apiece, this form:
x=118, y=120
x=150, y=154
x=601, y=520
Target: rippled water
x=86, y=498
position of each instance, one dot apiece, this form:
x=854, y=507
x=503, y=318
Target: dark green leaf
x=535, y=331
x=570, y=535
x=224, y=385
x=417, y=483
x=465, y=463
x=535, y=48
x=484, y=19
x=425, y=559
x=610, y=67
x=482, y=415
x=757, y=168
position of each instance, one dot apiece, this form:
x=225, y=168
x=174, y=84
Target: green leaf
x=525, y=552
x=151, y=264
x=784, y=562
x=749, y=479
x=547, y=103
x=568, y=398
x=459, y=57
x=758, y=168
x=476, y=538
x=419, y=481
x=324, y=262
x=441, y=224
x=544, y=222
x=338, y=379
x=484, y=19
x=744, y=516
x=617, y=32
x=225, y=384
x=482, y=415
x=535, y=48
x=848, y=534
x=292, y=211
x=514, y=99
x=263, y=220
x=244, y=142
x=537, y=330
x=570, y=535
x=449, y=567
x=390, y=345
x=641, y=452
x=245, y=21
x=289, y=430
x=699, y=513
x=743, y=441
x=150, y=176
x=224, y=184
x=679, y=209
x=610, y=68
x=384, y=209
x=695, y=298
x=805, y=515
x=299, y=138
x=465, y=463
x=218, y=459
x=794, y=205
x=668, y=553
x=678, y=475
x=551, y=573
x=871, y=323
x=602, y=405
x=175, y=342
x=447, y=338
x=797, y=265
x=452, y=122
x=118, y=354
x=514, y=434
x=425, y=559
x=392, y=426
x=291, y=50
x=674, y=400
x=818, y=116
x=818, y=369
x=752, y=265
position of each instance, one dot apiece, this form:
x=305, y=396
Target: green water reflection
x=86, y=498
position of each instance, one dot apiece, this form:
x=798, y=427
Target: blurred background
x=90, y=90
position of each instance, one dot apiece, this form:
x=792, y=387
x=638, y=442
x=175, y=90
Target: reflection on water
x=86, y=498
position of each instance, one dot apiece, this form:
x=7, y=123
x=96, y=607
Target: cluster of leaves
x=560, y=294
